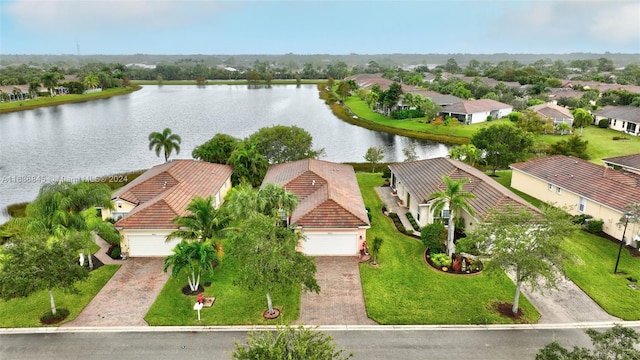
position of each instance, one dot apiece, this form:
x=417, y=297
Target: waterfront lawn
x=6, y=107
x=590, y=266
x=233, y=305
x=360, y=108
x=26, y=312
x=404, y=290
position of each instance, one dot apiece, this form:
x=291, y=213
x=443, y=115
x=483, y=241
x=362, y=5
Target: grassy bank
x=7, y=107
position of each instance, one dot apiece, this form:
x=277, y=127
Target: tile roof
x=436, y=97
x=553, y=111
x=328, y=193
x=164, y=191
x=627, y=161
x=627, y=113
x=612, y=188
x=424, y=177
x=475, y=106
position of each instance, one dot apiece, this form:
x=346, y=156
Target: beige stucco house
x=621, y=118
x=477, y=111
x=583, y=187
x=144, y=208
x=330, y=211
x=414, y=182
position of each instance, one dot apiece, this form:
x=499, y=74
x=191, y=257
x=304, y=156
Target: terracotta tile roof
x=565, y=93
x=612, y=188
x=628, y=161
x=328, y=193
x=424, y=177
x=436, y=97
x=164, y=191
x=553, y=111
x=475, y=106
x=627, y=113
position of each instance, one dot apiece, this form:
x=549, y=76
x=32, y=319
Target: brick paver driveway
x=340, y=301
x=126, y=298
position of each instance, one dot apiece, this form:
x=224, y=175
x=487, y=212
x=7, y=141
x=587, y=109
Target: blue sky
x=318, y=26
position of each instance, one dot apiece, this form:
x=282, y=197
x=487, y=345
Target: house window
x=117, y=215
x=446, y=214
x=549, y=187
x=418, y=215
x=582, y=205
x=558, y=190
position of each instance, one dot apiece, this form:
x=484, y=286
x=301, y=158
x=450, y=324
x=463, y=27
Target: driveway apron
x=340, y=301
x=127, y=296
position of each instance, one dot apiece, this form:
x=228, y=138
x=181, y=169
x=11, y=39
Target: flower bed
x=461, y=264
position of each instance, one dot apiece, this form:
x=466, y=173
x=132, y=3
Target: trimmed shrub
x=594, y=226
x=433, y=237
x=413, y=221
x=580, y=219
x=386, y=172
x=603, y=123
x=397, y=222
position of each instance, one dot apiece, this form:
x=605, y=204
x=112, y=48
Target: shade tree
x=216, y=150
x=502, y=144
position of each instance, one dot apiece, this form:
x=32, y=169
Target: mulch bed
x=505, y=310
x=187, y=290
x=276, y=313
x=49, y=319
x=632, y=250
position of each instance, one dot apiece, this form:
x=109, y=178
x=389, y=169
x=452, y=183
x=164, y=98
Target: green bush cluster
x=397, y=222
x=433, y=237
x=594, y=226
x=603, y=123
x=406, y=114
x=413, y=221
x=441, y=260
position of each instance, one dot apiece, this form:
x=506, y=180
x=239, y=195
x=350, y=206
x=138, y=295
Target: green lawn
x=591, y=267
x=43, y=101
x=404, y=290
x=26, y=312
x=233, y=305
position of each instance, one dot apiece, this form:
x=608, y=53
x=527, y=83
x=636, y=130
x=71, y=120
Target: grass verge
x=404, y=290
x=26, y=312
x=13, y=106
x=233, y=305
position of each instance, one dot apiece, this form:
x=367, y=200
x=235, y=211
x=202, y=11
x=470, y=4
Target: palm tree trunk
x=53, y=303
x=89, y=257
x=451, y=247
x=270, y=304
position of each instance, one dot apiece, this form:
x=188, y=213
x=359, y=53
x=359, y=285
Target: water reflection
x=109, y=136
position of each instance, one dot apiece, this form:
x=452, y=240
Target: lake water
x=109, y=136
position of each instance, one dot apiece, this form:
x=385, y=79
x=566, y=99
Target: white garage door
x=150, y=245
x=337, y=244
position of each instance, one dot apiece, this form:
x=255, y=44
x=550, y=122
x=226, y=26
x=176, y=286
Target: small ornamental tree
x=374, y=155
x=375, y=249
x=289, y=343
x=526, y=243
x=194, y=257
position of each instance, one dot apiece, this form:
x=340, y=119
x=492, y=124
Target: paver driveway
x=341, y=301
x=126, y=298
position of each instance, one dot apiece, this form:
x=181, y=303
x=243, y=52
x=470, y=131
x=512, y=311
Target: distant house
x=330, y=210
x=553, y=112
x=584, y=187
x=477, y=111
x=144, y=208
x=621, y=118
x=629, y=163
x=414, y=182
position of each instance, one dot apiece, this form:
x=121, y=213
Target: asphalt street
x=372, y=343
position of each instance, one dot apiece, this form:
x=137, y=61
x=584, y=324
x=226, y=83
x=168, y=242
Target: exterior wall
x=222, y=193
x=540, y=190
x=618, y=124
x=118, y=206
x=479, y=117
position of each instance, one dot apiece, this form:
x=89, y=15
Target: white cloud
x=618, y=24
x=91, y=16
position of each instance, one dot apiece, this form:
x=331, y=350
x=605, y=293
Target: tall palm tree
x=165, y=141
x=248, y=164
x=456, y=200
x=194, y=257
x=271, y=200
x=50, y=81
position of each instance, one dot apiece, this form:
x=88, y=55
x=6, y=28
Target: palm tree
x=194, y=257
x=248, y=164
x=203, y=223
x=50, y=81
x=375, y=249
x=454, y=200
x=91, y=81
x=271, y=200
x=165, y=141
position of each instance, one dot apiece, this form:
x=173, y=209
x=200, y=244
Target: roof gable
x=320, y=185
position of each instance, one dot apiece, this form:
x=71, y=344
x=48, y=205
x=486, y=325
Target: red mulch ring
x=276, y=313
x=505, y=310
